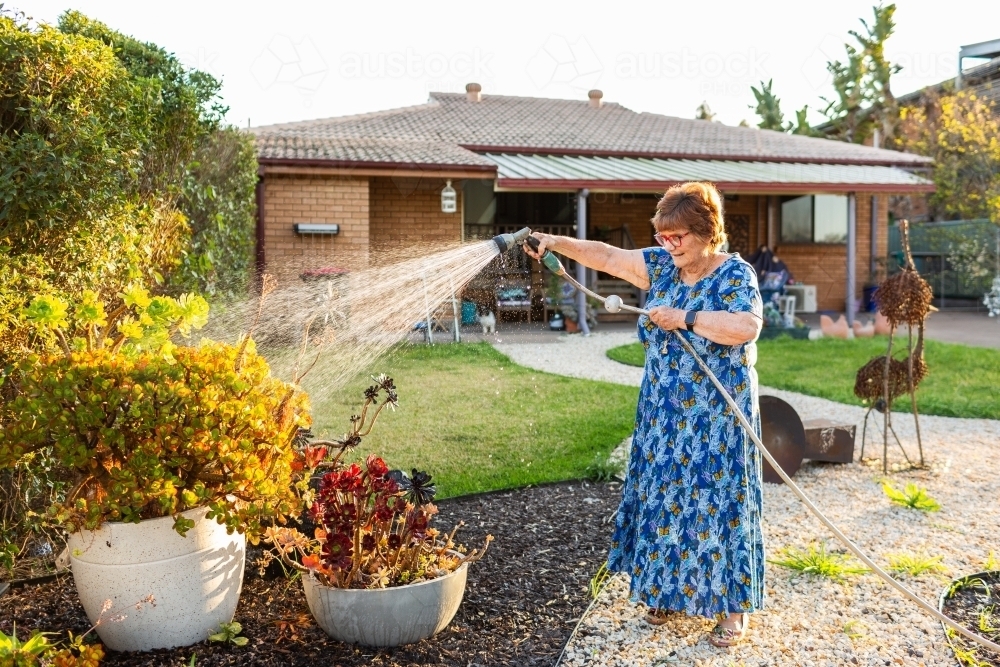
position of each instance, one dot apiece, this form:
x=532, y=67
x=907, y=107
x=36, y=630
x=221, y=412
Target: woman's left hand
x=667, y=318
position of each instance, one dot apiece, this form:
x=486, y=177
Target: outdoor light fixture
x=320, y=229
x=449, y=200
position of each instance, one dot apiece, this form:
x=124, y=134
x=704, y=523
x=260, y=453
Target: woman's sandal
x=656, y=616
x=723, y=637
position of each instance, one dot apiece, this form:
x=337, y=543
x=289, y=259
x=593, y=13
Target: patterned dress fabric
x=688, y=530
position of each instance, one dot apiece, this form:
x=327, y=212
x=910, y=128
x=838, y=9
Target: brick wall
x=314, y=199
x=635, y=210
x=614, y=210
x=826, y=265
x=409, y=210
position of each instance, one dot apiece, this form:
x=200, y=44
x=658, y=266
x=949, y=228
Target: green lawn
x=477, y=422
x=963, y=381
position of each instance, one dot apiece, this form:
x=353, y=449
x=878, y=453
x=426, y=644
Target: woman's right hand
x=545, y=242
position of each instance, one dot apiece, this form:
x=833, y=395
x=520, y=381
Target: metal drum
x=783, y=435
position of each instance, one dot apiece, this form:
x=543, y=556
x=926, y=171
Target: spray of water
x=337, y=326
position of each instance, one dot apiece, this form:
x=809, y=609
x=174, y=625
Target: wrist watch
x=689, y=318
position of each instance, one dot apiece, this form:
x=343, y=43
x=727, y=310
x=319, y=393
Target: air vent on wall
x=315, y=228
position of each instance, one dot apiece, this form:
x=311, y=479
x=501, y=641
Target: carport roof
x=562, y=172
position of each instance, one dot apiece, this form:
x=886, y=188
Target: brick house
x=333, y=191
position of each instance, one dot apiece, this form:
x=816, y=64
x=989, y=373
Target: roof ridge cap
x=529, y=97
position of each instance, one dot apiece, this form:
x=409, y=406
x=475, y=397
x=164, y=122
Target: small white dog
x=488, y=322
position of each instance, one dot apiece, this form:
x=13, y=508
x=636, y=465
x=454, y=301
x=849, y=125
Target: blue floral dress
x=688, y=530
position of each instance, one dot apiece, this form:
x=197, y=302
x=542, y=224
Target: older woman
x=688, y=530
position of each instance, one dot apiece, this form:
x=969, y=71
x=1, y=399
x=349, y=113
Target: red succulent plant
x=373, y=523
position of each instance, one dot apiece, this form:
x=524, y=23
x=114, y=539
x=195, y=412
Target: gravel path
x=815, y=621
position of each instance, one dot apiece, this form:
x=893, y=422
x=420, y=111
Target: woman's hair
x=696, y=207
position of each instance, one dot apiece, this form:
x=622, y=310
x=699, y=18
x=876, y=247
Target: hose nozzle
x=507, y=241
x=550, y=261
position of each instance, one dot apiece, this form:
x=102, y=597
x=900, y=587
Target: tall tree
x=844, y=112
x=704, y=112
x=879, y=71
x=768, y=108
x=801, y=124
x=862, y=83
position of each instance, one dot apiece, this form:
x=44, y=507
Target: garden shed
x=333, y=191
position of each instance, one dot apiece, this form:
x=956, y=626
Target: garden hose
x=614, y=304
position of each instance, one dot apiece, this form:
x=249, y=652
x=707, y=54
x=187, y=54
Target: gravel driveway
x=815, y=621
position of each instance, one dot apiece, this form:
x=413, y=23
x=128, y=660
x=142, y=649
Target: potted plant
x=553, y=300
x=179, y=455
x=375, y=572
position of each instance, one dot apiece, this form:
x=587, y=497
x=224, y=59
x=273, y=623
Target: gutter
x=736, y=187
x=359, y=166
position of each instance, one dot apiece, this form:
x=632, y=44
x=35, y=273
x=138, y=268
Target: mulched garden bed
x=974, y=601
x=522, y=602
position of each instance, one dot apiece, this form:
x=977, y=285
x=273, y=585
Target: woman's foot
x=656, y=616
x=730, y=631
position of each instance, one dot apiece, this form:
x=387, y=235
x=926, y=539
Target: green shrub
x=38, y=651
x=74, y=127
x=816, y=560
x=151, y=429
x=191, y=161
x=219, y=198
x=72, y=124
x=912, y=496
x=915, y=564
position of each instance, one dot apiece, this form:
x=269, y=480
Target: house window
x=479, y=207
x=814, y=219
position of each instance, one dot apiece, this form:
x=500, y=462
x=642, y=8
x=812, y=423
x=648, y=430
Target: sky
x=297, y=60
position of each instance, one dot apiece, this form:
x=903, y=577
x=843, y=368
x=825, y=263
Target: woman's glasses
x=671, y=241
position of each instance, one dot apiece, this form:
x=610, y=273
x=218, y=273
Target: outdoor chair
x=514, y=297
x=772, y=285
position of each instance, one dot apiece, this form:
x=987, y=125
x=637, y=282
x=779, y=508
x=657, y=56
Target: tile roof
x=450, y=130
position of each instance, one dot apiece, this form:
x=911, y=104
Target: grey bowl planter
x=985, y=575
x=386, y=616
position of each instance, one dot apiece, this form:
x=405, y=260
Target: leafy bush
x=151, y=429
x=191, y=160
x=37, y=651
x=101, y=139
x=27, y=489
x=73, y=127
x=219, y=198
x=109, y=147
x=184, y=103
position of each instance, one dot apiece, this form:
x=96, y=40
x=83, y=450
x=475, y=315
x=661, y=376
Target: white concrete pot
x=196, y=580
x=386, y=616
